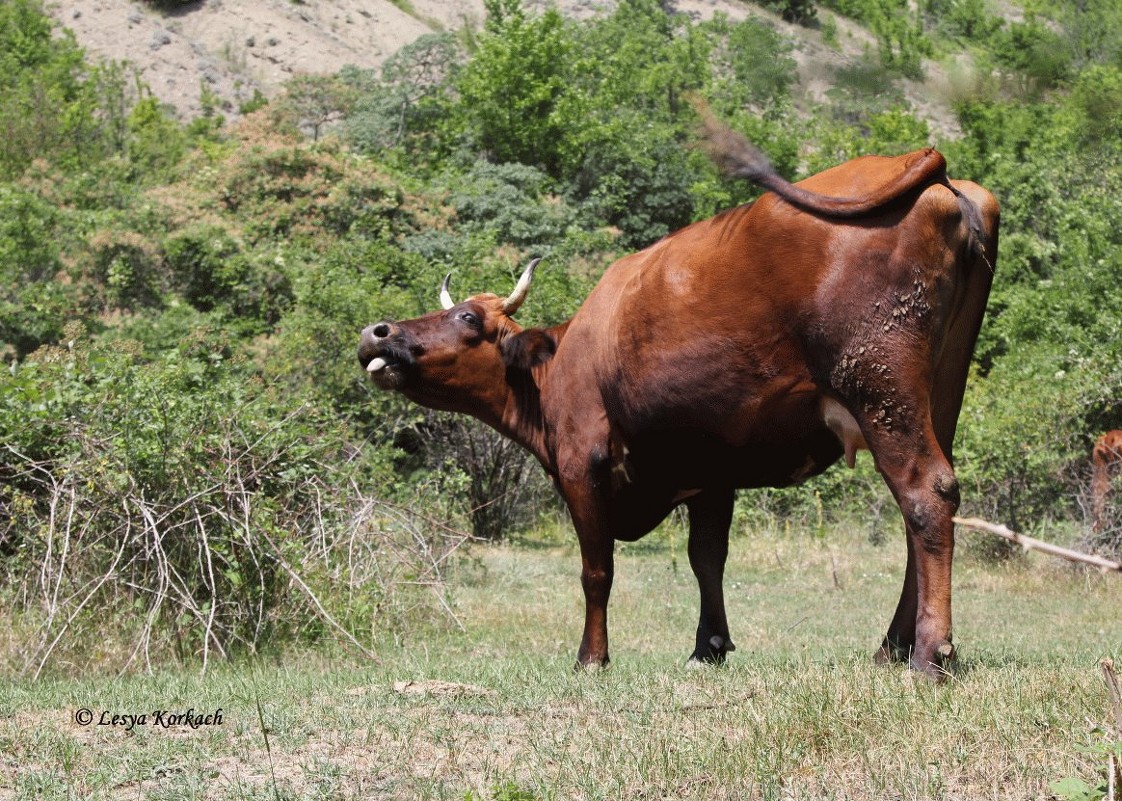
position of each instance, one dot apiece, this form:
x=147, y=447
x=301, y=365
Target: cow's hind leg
x=912, y=462
x=901, y=638
x=710, y=515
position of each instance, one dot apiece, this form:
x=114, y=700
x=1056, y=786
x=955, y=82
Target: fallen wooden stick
x=1028, y=543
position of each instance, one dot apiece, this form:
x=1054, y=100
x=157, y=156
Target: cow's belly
x=651, y=480
x=683, y=461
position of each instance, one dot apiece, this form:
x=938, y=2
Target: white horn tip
x=512, y=303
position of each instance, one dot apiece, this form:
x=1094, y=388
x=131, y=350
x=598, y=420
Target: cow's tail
x=974, y=220
x=738, y=157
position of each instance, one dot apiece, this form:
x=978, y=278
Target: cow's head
x=460, y=358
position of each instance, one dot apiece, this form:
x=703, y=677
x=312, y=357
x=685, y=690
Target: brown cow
x=752, y=349
x=1107, y=454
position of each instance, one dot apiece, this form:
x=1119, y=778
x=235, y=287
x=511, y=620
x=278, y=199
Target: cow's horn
x=445, y=297
x=511, y=304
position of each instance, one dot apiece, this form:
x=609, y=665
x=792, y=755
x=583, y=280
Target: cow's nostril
x=381, y=330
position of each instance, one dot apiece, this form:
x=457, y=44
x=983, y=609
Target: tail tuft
x=731, y=152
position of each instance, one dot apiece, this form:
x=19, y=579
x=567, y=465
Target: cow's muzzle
x=384, y=355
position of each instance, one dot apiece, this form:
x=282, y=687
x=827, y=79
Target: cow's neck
x=521, y=418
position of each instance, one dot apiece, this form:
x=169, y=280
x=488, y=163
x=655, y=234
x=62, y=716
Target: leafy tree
x=156, y=143
x=408, y=105
x=51, y=103
x=1034, y=51
x=313, y=102
x=511, y=88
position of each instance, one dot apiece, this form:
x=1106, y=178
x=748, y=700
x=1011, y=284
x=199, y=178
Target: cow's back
x=745, y=317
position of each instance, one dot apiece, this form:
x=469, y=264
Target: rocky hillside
x=235, y=48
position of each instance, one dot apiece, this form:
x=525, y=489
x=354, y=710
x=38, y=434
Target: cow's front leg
x=710, y=517
x=597, y=566
x=596, y=580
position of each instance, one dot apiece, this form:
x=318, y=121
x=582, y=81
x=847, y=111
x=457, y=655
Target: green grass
x=493, y=710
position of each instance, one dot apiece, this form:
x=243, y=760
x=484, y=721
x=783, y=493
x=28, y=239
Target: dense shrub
x=639, y=182
x=287, y=190
x=212, y=272
x=899, y=30
x=512, y=201
x=1033, y=50
x=752, y=65
x=968, y=19
x=31, y=302
x=180, y=507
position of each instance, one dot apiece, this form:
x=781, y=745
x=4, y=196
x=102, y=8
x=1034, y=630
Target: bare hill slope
x=237, y=47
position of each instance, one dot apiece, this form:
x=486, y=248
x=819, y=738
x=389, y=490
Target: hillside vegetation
x=191, y=463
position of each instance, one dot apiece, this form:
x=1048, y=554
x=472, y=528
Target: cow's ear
x=528, y=348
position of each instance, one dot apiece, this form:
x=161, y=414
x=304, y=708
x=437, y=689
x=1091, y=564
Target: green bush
x=636, y=179
x=901, y=40
x=408, y=106
x=31, y=300
x=512, y=202
x=969, y=20
x=1097, y=99
x=752, y=64
x=156, y=142
x=210, y=270
x=178, y=495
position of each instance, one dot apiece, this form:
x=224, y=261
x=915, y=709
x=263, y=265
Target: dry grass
x=495, y=712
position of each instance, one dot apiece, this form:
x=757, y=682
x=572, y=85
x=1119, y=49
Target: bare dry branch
x=1028, y=543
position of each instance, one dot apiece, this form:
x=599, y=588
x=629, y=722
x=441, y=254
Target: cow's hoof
x=939, y=665
x=592, y=666
x=711, y=653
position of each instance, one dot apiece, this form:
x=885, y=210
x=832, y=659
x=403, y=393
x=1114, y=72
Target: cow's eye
x=469, y=318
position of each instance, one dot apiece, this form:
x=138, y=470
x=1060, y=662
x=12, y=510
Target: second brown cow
x=1106, y=457
x=752, y=349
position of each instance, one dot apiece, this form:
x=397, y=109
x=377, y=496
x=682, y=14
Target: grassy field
x=489, y=708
